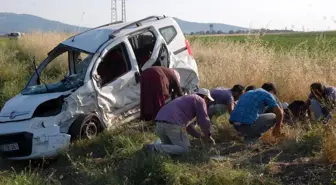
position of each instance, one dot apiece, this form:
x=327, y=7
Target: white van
x=98, y=88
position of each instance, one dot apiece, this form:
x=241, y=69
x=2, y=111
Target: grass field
x=304, y=156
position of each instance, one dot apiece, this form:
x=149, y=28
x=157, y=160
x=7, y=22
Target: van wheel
x=85, y=127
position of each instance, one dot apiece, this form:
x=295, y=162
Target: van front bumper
x=27, y=140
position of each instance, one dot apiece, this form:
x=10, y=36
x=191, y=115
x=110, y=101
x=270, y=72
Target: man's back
x=250, y=104
x=182, y=109
x=222, y=95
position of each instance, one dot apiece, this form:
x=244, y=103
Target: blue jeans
x=256, y=129
x=173, y=139
x=317, y=110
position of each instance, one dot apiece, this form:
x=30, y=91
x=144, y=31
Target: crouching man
x=173, y=123
x=246, y=118
x=322, y=100
x=224, y=99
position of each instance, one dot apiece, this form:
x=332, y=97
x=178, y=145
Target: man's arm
x=272, y=103
x=230, y=107
x=278, y=116
x=202, y=117
x=176, y=87
x=230, y=104
x=193, y=132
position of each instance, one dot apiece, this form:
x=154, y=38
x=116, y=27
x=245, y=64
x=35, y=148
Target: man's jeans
x=174, y=139
x=261, y=125
x=217, y=109
x=317, y=110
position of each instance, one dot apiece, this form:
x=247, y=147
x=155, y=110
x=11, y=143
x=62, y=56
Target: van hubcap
x=89, y=130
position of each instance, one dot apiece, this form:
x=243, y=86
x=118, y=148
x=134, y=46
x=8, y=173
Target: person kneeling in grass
x=246, y=116
x=224, y=99
x=174, y=122
x=322, y=100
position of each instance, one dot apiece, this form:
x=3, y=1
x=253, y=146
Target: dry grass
x=329, y=145
x=38, y=44
x=229, y=63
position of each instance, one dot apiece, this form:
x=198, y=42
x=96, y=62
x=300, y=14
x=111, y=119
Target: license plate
x=9, y=147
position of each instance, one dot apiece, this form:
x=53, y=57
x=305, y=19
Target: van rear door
x=175, y=39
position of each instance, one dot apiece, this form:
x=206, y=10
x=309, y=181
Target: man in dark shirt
x=225, y=99
x=157, y=84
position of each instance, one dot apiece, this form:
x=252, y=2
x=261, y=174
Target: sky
x=310, y=15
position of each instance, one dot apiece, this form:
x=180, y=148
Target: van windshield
x=64, y=69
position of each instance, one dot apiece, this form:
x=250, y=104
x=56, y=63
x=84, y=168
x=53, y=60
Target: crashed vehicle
x=98, y=89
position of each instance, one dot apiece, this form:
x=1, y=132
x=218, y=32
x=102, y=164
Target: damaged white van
x=90, y=82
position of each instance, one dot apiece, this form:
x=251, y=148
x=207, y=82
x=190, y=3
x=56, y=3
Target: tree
x=231, y=32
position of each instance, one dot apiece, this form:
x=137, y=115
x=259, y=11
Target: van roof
x=90, y=40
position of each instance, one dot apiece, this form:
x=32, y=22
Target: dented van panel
x=98, y=87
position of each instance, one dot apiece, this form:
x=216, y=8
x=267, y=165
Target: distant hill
x=189, y=27
x=11, y=22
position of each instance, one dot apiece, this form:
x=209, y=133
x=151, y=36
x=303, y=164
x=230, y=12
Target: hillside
x=11, y=22
x=189, y=27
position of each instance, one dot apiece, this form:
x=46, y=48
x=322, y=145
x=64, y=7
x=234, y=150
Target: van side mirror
x=137, y=77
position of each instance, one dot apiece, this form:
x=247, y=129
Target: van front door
x=115, y=77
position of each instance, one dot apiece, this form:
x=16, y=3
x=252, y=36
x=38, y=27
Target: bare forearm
x=193, y=132
x=279, y=117
x=230, y=107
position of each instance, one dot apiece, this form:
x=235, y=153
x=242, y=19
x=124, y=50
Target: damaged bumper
x=31, y=139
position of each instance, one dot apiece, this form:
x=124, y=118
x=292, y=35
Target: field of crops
x=287, y=42
x=293, y=61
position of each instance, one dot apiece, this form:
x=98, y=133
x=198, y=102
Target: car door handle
x=137, y=77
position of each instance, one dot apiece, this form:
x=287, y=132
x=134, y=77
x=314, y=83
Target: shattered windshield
x=64, y=70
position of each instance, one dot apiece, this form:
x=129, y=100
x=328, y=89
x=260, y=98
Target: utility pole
x=114, y=12
x=114, y=15
x=123, y=8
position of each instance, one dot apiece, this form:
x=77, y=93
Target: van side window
x=168, y=33
x=115, y=63
x=143, y=46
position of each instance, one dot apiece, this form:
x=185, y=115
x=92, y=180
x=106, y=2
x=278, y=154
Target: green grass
x=280, y=42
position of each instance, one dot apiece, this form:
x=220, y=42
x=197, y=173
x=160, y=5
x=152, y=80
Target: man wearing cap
x=246, y=116
x=174, y=122
x=322, y=100
x=224, y=99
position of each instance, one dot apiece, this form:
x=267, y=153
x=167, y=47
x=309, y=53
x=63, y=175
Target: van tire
x=85, y=127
